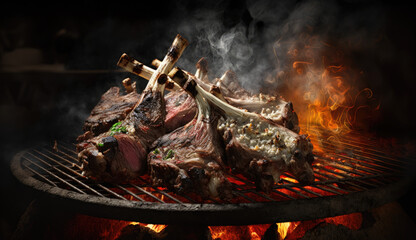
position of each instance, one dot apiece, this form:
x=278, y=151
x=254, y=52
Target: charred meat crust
x=265, y=172
x=107, y=162
x=118, y=156
x=191, y=159
x=150, y=113
x=110, y=109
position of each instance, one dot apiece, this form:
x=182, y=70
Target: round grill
x=352, y=174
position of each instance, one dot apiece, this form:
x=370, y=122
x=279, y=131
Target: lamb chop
x=191, y=157
x=180, y=107
x=120, y=154
x=270, y=107
x=111, y=109
x=256, y=146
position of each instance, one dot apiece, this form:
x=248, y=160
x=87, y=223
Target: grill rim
x=214, y=214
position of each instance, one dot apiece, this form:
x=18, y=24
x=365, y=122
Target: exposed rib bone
x=282, y=149
x=131, y=65
x=202, y=70
x=174, y=52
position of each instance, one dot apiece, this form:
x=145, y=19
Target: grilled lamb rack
x=256, y=146
x=191, y=157
x=270, y=107
x=120, y=154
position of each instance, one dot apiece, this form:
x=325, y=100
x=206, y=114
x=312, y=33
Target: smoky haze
x=259, y=40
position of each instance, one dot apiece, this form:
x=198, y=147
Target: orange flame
x=154, y=227
x=324, y=89
x=253, y=232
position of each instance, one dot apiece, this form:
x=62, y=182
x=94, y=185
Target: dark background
x=47, y=98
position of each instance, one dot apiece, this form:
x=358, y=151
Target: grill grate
x=345, y=166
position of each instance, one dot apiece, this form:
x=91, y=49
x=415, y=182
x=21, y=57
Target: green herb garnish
x=169, y=154
x=115, y=125
x=156, y=151
x=117, y=128
x=100, y=144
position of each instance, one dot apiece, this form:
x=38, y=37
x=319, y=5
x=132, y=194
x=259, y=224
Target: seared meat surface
x=188, y=139
x=111, y=108
x=256, y=146
x=191, y=157
x=120, y=154
x=180, y=109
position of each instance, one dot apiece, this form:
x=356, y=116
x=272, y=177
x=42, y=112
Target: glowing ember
x=154, y=227
x=254, y=232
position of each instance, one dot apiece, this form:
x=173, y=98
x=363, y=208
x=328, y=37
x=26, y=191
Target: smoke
x=261, y=41
x=253, y=38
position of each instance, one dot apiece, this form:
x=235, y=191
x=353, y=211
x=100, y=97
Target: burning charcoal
x=134, y=135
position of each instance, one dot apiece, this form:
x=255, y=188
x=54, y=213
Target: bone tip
x=230, y=75
x=182, y=40
x=202, y=64
x=123, y=60
x=155, y=62
x=127, y=81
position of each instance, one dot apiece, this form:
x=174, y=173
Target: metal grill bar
x=361, y=168
x=354, y=140
x=358, y=146
x=147, y=193
x=39, y=175
x=381, y=160
x=131, y=193
x=111, y=192
x=55, y=176
x=70, y=170
x=248, y=183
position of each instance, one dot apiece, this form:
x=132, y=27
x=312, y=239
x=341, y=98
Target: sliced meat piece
x=190, y=159
x=111, y=108
x=256, y=146
x=120, y=154
x=180, y=109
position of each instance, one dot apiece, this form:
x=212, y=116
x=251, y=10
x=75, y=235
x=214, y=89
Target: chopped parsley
x=100, y=144
x=169, y=155
x=117, y=128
